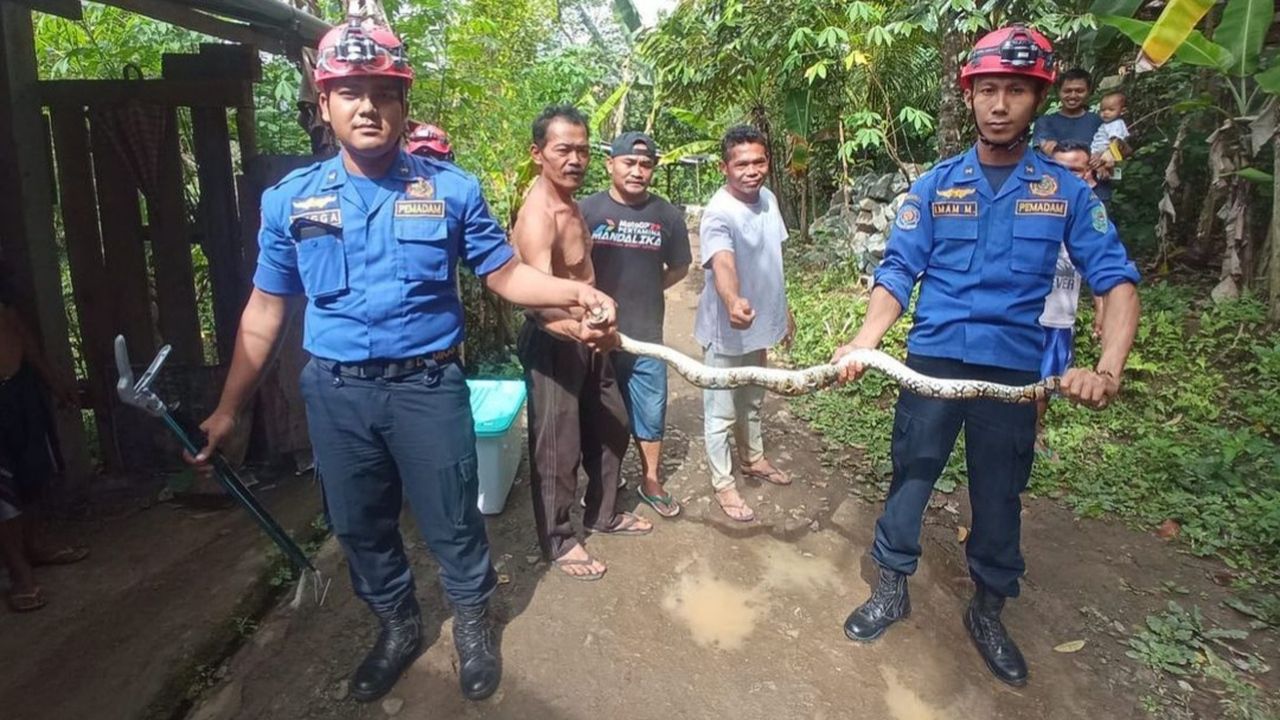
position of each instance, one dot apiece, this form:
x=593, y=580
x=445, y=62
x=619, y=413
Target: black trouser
x=999, y=448
x=378, y=440
x=576, y=419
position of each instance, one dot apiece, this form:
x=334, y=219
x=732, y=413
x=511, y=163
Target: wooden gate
x=132, y=205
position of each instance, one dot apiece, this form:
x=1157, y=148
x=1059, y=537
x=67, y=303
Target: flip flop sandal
x=64, y=556
x=770, y=476
x=585, y=577
x=626, y=524
x=27, y=602
x=751, y=514
x=656, y=501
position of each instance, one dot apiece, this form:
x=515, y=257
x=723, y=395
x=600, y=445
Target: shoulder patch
x=1099, y=215
x=908, y=217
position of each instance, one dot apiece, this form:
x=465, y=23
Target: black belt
x=392, y=368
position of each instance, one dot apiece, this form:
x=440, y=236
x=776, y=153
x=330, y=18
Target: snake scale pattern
x=801, y=382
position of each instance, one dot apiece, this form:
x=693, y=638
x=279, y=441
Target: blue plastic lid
x=495, y=404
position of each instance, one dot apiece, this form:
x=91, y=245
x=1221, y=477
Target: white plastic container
x=497, y=409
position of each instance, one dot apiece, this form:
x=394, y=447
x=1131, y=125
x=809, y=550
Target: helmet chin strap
x=1013, y=144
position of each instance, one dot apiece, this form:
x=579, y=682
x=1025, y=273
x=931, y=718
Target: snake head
x=599, y=316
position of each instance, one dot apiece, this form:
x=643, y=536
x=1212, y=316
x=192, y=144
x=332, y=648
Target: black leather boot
x=397, y=646
x=997, y=649
x=889, y=603
x=479, y=666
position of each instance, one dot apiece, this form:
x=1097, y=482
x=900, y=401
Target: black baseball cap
x=625, y=144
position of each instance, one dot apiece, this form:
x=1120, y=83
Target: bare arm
x=260, y=323
x=533, y=237
x=724, y=272
x=557, y=304
x=1095, y=388
x=673, y=275
x=883, y=311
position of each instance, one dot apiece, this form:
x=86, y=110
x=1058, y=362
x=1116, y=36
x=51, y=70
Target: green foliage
x=1193, y=436
x=1177, y=641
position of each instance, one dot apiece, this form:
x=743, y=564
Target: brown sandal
x=625, y=523
x=27, y=602
x=584, y=577
x=745, y=513
x=63, y=556
x=773, y=475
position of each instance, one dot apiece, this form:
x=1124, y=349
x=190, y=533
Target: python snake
x=801, y=382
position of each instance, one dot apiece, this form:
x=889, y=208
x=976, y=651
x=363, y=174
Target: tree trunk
x=1274, y=276
x=1168, y=211
x=953, y=116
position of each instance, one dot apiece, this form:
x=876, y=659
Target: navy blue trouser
x=999, y=448
x=377, y=440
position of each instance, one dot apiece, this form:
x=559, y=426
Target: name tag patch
x=420, y=208
x=332, y=218
x=1055, y=208
x=955, y=209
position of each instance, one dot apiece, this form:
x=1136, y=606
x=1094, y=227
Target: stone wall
x=859, y=236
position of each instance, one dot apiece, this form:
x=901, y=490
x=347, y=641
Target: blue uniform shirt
x=380, y=279
x=985, y=261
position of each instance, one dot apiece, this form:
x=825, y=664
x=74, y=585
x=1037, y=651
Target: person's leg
x=924, y=432
x=431, y=436
x=604, y=442
x=554, y=374
x=362, y=495
x=718, y=418
x=623, y=367
x=999, y=445
x=748, y=402
x=24, y=593
x=647, y=388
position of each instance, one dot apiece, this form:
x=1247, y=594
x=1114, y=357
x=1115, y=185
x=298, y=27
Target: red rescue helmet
x=351, y=49
x=1013, y=50
x=429, y=141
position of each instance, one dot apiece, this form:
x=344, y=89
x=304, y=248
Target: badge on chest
x=316, y=209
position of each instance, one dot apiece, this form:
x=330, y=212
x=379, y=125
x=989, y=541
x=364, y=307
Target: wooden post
x=220, y=222
x=171, y=254
x=28, y=241
x=93, y=292
x=123, y=251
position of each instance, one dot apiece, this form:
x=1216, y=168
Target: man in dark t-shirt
x=639, y=247
x=1073, y=122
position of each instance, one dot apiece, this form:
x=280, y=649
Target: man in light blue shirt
x=742, y=311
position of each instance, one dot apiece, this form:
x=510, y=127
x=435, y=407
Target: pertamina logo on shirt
x=635, y=234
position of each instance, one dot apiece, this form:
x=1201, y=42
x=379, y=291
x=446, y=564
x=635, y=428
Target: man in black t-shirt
x=639, y=247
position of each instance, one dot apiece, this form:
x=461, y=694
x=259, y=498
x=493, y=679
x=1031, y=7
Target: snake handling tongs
x=141, y=396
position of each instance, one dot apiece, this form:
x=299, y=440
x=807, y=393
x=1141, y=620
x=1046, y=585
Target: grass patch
x=1192, y=438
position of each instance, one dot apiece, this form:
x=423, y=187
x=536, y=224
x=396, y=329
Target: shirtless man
x=576, y=414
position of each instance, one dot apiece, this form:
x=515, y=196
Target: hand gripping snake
x=801, y=382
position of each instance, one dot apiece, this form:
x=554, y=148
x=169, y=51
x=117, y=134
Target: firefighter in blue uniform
x=980, y=234
x=372, y=238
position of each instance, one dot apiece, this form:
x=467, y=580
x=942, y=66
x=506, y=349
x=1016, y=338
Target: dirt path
x=124, y=629
x=707, y=618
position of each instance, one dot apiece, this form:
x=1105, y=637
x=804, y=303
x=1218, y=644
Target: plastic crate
x=496, y=407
